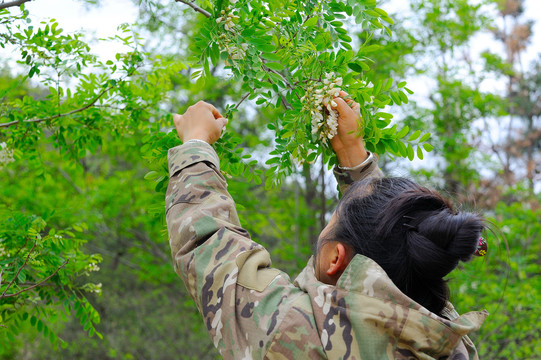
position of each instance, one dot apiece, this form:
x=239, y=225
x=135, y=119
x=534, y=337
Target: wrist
x=200, y=137
x=352, y=156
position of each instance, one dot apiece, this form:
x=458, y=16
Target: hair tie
x=482, y=247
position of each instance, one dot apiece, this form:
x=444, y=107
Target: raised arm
x=355, y=163
x=243, y=301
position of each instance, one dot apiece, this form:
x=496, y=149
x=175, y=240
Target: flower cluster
x=3, y=252
x=97, y=288
x=92, y=267
x=6, y=155
x=228, y=18
x=92, y=288
x=318, y=101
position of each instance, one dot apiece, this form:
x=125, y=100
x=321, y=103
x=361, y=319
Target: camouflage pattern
x=253, y=311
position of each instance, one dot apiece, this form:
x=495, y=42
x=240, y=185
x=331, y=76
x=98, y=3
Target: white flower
x=93, y=267
x=6, y=155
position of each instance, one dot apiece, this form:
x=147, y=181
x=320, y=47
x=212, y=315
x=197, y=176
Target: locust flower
x=319, y=102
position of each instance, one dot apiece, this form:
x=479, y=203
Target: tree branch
x=195, y=7
x=241, y=100
x=87, y=106
x=39, y=283
x=13, y=3
x=19, y=271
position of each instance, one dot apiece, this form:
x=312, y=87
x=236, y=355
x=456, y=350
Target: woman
x=375, y=288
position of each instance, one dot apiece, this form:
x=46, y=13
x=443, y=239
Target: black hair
x=412, y=232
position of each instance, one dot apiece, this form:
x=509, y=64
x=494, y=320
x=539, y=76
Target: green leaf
x=403, y=97
x=274, y=66
x=415, y=135
x=358, y=66
x=355, y=67
x=420, y=152
x=364, y=65
x=424, y=138
x=151, y=175
x=265, y=47
x=396, y=98
x=384, y=115
x=388, y=84
x=311, y=22
x=428, y=147
x=371, y=48
x=402, y=148
x=411, y=154
x=345, y=37
x=270, y=56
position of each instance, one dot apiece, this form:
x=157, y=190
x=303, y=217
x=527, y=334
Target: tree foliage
x=83, y=144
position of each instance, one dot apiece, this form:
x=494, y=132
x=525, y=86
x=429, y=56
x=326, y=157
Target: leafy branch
x=86, y=107
x=20, y=269
x=4, y=295
x=36, y=284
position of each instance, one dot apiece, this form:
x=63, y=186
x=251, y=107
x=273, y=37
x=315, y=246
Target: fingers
x=215, y=111
x=223, y=122
x=349, y=100
x=341, y=106
x=211, y=107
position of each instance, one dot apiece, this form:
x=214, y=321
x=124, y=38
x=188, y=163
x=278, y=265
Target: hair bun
x=457, y=234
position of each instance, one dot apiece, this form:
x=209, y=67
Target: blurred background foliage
x=88, y=168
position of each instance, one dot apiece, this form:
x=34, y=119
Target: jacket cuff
x=367, y=169
x=189, y=153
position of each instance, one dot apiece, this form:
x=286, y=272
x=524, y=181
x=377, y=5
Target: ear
x=339, y=260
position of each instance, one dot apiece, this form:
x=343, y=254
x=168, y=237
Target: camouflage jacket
x=253, y=311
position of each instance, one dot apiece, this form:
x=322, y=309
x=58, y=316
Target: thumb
x=223, y=122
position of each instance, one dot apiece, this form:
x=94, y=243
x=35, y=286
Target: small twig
x=195, y=7
x=20, y=269
x=11, y=4
x=39, y=283
x=241, y=100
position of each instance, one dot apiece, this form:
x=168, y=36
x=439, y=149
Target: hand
x=201, y=121
x=349, y=148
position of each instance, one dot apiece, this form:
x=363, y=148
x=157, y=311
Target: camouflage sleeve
x=243, y=301
x=368, y=169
